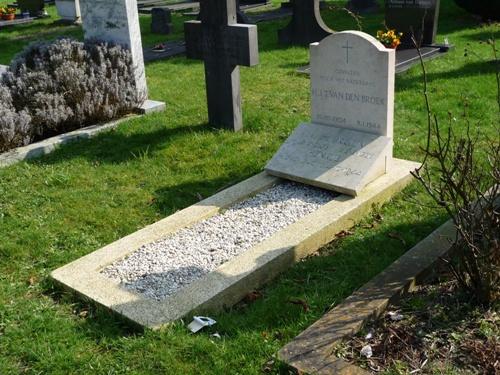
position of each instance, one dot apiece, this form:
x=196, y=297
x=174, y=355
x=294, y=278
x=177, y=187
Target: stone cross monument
x=223, y=44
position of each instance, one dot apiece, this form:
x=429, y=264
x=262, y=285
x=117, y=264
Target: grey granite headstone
x=413, y=17
x=116, y=21
x=306, y=25
x=161, y=21
x=348, y=144
x=362, y=6
x=223, y=44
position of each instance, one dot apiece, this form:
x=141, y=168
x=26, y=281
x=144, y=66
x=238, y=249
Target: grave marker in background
x=419, y=17
x=117, y=22
x=362, y=6
x=349, y=142
x=161, y=21
x=223, y=44
x=306, y=25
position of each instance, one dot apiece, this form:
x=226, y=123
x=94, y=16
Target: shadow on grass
x=115, y=146
x=468, y=70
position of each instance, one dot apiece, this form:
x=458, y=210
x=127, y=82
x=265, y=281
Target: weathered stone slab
x=48, y=145
x=234, y=279
x=413, y=17
x=311, y=351
x=333, y=158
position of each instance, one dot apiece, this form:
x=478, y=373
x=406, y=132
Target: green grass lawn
x=85, y=195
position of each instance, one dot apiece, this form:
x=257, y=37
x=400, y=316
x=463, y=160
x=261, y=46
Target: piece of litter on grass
x=369, y=335
x=366, y=351
x=199, y=322
x=395, y=316
x=216, y=335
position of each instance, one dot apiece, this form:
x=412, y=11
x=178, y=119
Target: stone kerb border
x=231, y=281
x=46, y=146
x=311, y=351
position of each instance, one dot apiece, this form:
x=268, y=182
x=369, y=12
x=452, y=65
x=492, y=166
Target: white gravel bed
x=157, y=270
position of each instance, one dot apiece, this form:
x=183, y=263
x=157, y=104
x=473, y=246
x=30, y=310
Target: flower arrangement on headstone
x=8, y=14
x=389, y=38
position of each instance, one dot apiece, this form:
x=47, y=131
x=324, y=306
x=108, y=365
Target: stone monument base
x=151, y=106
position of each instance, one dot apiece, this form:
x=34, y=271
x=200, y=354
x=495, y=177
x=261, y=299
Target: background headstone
x=306, y=25
x=161, y=21
x=349, y=142
x=116, y=21
x=418, y=17
x=223, y=45
x=362, y=6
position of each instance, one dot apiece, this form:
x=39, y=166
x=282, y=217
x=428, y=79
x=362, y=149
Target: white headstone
x=349, y=142
x=116, y=21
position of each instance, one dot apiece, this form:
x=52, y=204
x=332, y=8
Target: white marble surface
x=333, y=158
x=352, y=83
x=349, y=142
x=116, y=21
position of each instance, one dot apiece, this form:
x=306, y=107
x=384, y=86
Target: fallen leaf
x=32, y=280
x=397, y=236
x=344, y=233
x=252, y=296
x=300, y=302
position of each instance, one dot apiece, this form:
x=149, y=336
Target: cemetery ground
x=90, y=193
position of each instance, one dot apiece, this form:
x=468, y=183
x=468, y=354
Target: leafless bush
x=461, y=172
x=66, y=84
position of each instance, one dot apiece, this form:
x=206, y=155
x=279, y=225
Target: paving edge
x=48, y=145
x=232, y=280
x=311, y=351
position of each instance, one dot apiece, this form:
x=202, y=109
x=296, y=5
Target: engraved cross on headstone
x=223, y=44
x=347, y=48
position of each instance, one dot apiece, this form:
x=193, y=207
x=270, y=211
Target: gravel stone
x=159, y=269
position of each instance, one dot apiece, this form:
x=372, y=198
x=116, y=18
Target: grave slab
x=405, y=58
x=233, y=280
x=171, y=48
x=332, y=158
x=311, y=351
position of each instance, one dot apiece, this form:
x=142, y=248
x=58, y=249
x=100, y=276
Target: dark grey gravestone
x=306, y=25
x=161, y=21
x=223, y=45
x=362, y=6
x=413, y=17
